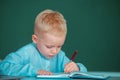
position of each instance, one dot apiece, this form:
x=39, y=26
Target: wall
x=93, y=29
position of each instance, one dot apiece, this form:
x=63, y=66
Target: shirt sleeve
x=82, y=68
x=16, y=65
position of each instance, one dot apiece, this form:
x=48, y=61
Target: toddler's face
x=49, y=45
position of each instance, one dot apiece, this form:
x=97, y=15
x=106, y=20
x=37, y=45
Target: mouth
x=50, y=56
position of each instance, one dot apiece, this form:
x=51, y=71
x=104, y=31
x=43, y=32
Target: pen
x=71, y=60
x=73, y=56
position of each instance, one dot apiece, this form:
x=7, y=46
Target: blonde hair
x=50, y=21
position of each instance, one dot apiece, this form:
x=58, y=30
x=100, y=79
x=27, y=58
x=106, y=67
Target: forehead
x=53, y=39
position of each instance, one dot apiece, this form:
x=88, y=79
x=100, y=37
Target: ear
x=34, y=38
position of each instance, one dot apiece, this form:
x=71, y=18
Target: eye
x=59, y=46
x=49, y=47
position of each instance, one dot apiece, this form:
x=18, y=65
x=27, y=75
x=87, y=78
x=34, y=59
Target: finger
x=67, y=65
x=68, y=68
x=76, y=68
x=42, y=72
x=47, y=73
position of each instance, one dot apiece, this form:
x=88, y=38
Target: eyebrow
x=52, y=45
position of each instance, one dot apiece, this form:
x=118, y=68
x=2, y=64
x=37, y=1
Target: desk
x=114, y=76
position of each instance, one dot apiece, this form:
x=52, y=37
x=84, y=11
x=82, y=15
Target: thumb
x=68, y=63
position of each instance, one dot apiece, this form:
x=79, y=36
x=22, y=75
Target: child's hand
x=70, y=67
x=43, y=72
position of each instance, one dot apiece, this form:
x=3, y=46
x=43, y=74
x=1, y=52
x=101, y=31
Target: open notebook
x=75, y=75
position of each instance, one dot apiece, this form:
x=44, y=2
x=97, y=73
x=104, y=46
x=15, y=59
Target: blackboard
x=93, y=29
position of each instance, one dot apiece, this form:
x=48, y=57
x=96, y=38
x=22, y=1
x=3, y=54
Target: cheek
x=59, y=49
x=42, y=49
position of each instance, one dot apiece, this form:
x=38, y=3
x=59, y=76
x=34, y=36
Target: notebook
x=74, y=75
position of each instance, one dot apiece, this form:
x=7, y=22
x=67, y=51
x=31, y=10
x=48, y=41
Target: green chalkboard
x=93, y=29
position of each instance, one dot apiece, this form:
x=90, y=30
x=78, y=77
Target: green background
x=93, y=29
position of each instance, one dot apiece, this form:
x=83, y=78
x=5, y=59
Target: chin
x=49, y=57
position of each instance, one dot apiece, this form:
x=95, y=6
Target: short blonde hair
x=50, y=21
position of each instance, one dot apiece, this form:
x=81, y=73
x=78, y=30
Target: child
x=43, y=56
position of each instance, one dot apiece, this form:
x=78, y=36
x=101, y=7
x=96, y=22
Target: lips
x=51, y=56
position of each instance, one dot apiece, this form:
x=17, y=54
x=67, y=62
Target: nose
x=54, y=51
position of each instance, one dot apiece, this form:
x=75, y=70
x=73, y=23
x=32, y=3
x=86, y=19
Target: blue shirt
x=28, y=60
